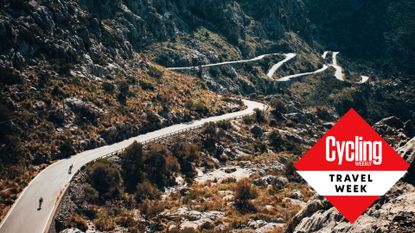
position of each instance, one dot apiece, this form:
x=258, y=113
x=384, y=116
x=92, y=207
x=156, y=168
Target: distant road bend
x=50, y=183
x=288, y=56
x=260, y=57
x=339, y=74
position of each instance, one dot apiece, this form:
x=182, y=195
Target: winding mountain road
x=288, y=56
x=339, y=74
x=260, y=57
x=339, y=70
x=364, y=79
x=50, y=184
x=289, y=77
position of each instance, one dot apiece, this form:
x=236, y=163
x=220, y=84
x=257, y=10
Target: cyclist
x=40, y=202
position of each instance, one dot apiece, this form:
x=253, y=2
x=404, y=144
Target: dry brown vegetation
x=47, y=127
x=240, y=201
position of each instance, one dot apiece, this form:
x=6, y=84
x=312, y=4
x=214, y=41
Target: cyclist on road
x=40, y=203
x=70, y=169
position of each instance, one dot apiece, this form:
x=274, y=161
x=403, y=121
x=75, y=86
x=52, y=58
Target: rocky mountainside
x=240, y=22
x=79, y=74
x=70, y=82
x=72, y=72
x=231, y=176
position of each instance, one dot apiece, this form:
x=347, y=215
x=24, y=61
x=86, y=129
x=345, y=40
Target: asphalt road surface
x=260, y=57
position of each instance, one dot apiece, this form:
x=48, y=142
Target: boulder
x=393, y=212
x=407, y=152
x=311, y=207
x=296, y=194
x=276, y=181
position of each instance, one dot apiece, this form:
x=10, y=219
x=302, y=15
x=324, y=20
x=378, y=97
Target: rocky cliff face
x=144, y=22
x=393, y=212
x=58, y=32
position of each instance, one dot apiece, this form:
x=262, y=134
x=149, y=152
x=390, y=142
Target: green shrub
x=163, y=98
x=348, y=98
x=260, y=116
x=161, y=166
x=260, y=147
x=79, y=222
x=57, y=116
x=244, y=193
x=90, y=211
x=153, y=71
x=325, y=204
x=153, y=120
x=210, y=129
x=105, y=223
x=191, y=152
x=212, y=137
x=245, y=190
x=106, y=179
x=276, y=140
x=126, y=221
x=151, y=208
x=225, y=125
x=197, y=106
x=281, y=144
x=278, y=106
x=132, y=166
x=66, y=148
x=187, y=154
x=146, y=85
x=91, y=194
x=124, y=92
x=10, y=76
x=146, y=190
x=323, y=113
x=248, y=120
x=289, y=168
x=257, y=131
x=108, y=87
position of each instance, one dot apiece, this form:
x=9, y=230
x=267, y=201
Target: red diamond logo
x=351, y=165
